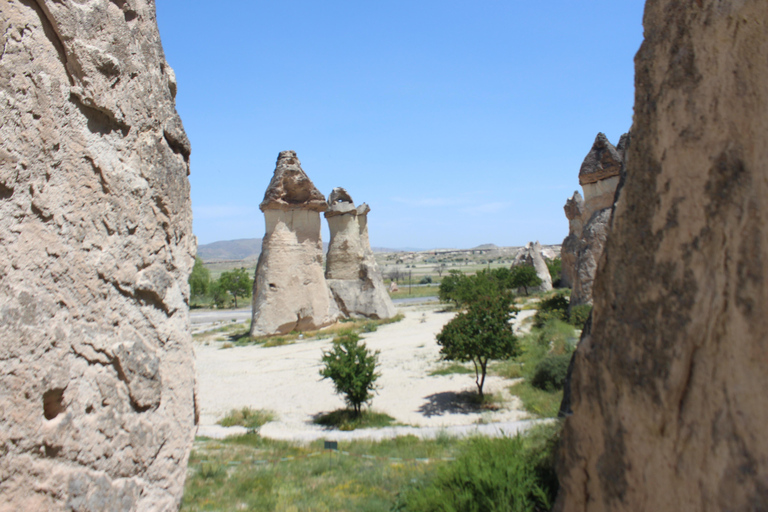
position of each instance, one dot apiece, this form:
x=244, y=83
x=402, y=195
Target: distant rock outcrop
x=588, y=218
x=351, y=271
x=668, y=402
x=289, y=291
x=96, y=245
x=531, y=256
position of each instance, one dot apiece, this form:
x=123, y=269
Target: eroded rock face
x=588, y=218
x=531, y=256
x=290, y=292
x=96, y=245
x=351, y=270
x=668, y=408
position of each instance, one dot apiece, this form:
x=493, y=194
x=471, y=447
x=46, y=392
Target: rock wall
x=667, y=391
x=599, y=177
x=351, y=270
x=289, y=291
x=96, y=245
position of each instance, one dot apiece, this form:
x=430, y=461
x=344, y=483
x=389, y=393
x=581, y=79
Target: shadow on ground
x=450, y=402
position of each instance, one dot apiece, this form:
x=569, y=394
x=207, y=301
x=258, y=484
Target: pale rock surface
x=289, y=291
x=668, y=401
x=530, y=255
x=351, y=270
x=588, y=218
x=96, y=245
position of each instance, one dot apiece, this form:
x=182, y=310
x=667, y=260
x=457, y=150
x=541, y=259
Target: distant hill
x=487, y=247
x=242, y=249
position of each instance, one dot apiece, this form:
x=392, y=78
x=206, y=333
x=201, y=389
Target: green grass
x=544, y=404
x=451, y=368
x=415, y=291
x=247, y=417
x=346, y=419
x=374, y=476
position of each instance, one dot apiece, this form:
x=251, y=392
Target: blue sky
x=459, y=123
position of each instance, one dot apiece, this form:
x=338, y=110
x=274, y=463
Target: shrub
x=553, y=308
x=489, y=475
x=426, y=280
x=550, y=373
x=579, y=314
x=247, y=417
x=352, y=368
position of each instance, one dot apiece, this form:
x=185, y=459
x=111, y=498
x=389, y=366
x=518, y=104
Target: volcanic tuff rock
x=668, y=398
x=290, y=292
x=96, y=245
x=531, y=256
x=351, y=270
x=588, y=219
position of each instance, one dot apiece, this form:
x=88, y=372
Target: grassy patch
x=251, y=473
x=247, y=417
x=415, y=291
x=545, y=404
x=451, y=368
x=346, y=419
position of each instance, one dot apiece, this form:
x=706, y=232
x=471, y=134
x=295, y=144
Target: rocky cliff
x=351, y=270
x=96, y=245
x=668, y=402
x=290, y=292
x=588, y=218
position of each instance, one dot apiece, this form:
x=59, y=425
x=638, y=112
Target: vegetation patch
x=247, y=417
x=252, y=473
x=544, y=404
x=451, y=368
x=346, y=419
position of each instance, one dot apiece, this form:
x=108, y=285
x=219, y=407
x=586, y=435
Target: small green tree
x=199, y=279
x=219, y=294
x=352, y=368
x=524, y=276
x=237, y=283
x=480, y=334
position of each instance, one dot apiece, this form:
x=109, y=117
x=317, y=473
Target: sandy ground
x=285, y=380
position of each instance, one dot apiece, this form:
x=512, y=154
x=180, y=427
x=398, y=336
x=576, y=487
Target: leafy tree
x=199, y=279
x=463, y=289
x=352, y=368
x=480, y=334
x=219, y=294
x=237, y=283
x=524, y=276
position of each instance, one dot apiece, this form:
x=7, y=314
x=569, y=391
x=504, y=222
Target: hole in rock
x=53, y=403
x=272, y=286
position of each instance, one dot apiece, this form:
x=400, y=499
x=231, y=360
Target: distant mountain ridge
x=241, y=249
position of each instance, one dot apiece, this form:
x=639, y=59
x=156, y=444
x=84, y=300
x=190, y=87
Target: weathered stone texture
x=351, y=270
x=290, y=292
x=668, y=400
x=588, y=219
x=531, y=256
x=96, y=245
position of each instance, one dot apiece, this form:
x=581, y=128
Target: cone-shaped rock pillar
x=531, y=256
x=290, y=292
x=351, y=271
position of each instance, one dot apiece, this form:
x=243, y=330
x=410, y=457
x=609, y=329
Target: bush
x=550, y=373
x=352, y=368
x=553, y=308
x=247, y=417
x=491, y=475
x=579, y=314
x=426, y=280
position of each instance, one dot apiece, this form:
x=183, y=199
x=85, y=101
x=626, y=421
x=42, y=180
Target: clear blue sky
x=459, y=123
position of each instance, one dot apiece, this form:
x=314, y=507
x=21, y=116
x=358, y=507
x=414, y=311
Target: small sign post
x=331, y=446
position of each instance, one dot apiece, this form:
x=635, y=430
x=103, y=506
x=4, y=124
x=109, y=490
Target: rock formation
x=588, y=218
x=668, y=398
x=290, y=292
x=351, y=270
x=531, y=256
x=96, y=245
